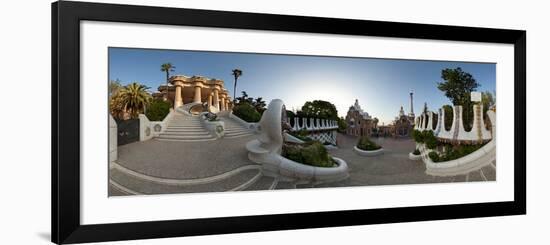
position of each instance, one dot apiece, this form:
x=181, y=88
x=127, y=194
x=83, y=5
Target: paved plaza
x=391, y=168
x=162, y=167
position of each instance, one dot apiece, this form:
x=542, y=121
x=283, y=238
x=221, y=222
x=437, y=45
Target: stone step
x=237, y=133
x=489, y=172
x=235, y=136
x=184, y=120
x=474, y=176
x=281, y=185
x=184, y=140
x=185, y=137
x=263, y=183
x=185, y=126
x=236, y=129
x=114, y=191
x=239, y=181
x=186, y=123
x=186, y=131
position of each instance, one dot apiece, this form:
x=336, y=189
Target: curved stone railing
x=149, y=129
x=478, y=133
x=471, y=162
x=248, y=125
x=266, y=150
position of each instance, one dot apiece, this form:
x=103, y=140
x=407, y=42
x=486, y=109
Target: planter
x=368, y=153
x=302, y=172
x=415, y=157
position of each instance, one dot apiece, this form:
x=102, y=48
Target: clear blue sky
x=381, y=85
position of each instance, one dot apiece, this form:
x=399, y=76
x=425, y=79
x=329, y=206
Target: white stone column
x=209, y=100
x=177, y=98
x=197, y=98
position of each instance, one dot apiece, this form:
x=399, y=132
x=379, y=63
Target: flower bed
x=365, y=144
x=311, y=153
x=365, y=147
x=415, y=155
x=453, y=152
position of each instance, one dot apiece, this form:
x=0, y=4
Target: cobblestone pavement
x=391, y=168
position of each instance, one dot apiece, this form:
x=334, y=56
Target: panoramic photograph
x=185, y=121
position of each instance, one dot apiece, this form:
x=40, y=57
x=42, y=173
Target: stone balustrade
x=456, y=133
x=312, y=124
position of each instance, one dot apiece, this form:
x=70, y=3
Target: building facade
x=403, y=125
x=360, y=123
x=183, y=90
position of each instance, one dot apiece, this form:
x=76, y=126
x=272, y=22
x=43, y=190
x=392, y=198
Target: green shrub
x=247, y=112
x=453, y=152
x=157, y=110
x=434, y=156
x=458, y=151
x=417, y=136
x=416, y=152
x=342, y=124
x=312, y=153
x=302, y=135
x=429, y=139
x=366, y=144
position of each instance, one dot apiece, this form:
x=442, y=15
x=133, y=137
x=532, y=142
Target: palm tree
x=236, y=74
x=167, y=67
x=132, y=98
x=259, y=104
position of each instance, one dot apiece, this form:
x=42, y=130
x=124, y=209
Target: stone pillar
x=209, y=100
x=222, y=104
x=197, y=98
x=216, y=99
x=177, y=98
x=227, y=104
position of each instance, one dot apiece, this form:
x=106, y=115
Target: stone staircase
x=124, y=181
x=234, y=129
x=187, y=128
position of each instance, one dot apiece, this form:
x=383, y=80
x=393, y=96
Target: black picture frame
x=66, y=18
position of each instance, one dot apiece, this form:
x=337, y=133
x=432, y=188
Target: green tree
x=319, y=109
x=487, y=100
x=259, y=104
x=114, y=87
x=244, y=99
x=342, y=124
x=157, y=110
x=132, y=98
x=167, y=68
x=457, y=87
x=236, y=74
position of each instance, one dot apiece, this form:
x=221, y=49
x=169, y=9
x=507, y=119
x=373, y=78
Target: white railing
x=315, y=124
x=479, y=131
